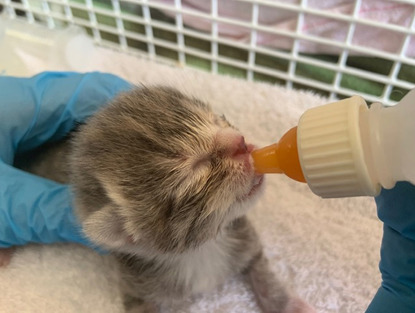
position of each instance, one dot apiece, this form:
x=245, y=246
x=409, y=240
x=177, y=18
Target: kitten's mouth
x=258, y=180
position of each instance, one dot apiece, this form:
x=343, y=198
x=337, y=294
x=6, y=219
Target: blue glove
x=396, y=208
x=33, y=111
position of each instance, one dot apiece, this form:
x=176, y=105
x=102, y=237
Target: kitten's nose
x=232, y=143
x=241, y=147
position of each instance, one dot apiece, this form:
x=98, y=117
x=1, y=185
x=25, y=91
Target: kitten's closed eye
x=202, y=161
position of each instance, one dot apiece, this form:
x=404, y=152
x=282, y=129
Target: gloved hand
x=396, y=208
x=32, y=112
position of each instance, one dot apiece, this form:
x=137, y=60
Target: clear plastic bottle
x=345, y=149
x=25, y=48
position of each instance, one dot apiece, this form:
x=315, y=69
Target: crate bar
x=68, y=11
x=27, y=9
x=303, y=59
x=345, y=52
x=328, y=42
x=40, y=12
x=250, y=67
x=259, y=69
x=263, y=70
x=214, y=36
x=292, y=7
x=333, y=43
x=294, y=51
x=322, y=13
x=252, y=43
x=287, y=56
x=119, y=23
x=93, y=20
x=242, y=65
x=46, y=11
x=274, y=53
x=397, y=64
x=9, y=8
x=179, y=31
x=148, y=29
x=333, y=15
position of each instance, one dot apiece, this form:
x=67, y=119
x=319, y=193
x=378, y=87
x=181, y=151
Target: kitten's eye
x=222, y=121
x=223, y=118
x=201, y=162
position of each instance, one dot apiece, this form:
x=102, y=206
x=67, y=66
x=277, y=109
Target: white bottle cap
x=331, y=152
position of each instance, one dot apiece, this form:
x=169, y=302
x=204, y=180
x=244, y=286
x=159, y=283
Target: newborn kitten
x=164, y=184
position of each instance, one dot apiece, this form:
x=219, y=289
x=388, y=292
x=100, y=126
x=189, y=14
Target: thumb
x=34, y=209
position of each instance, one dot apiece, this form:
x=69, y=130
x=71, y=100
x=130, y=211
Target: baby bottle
x=345, y=149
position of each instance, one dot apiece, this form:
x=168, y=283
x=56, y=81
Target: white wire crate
x=335, y=47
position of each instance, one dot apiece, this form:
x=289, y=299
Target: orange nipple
x=281, y=157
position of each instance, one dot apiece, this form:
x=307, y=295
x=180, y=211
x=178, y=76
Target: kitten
x=164, y=184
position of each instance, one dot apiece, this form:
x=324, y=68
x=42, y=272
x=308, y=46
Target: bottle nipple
x=281, y=157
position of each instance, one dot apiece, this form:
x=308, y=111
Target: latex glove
x=33, y=111
x=396, y=208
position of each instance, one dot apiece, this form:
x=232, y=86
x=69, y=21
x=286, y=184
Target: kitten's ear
x=105, y=227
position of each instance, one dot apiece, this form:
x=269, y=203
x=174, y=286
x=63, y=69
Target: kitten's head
x=157, y=170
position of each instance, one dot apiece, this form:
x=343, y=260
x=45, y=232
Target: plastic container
x=345, y=149
x=22, y=47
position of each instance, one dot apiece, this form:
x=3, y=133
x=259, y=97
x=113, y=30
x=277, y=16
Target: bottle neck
x=379, y=145
x=392, y=143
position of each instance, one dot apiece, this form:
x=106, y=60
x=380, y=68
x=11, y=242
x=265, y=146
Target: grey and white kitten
x=164, y=184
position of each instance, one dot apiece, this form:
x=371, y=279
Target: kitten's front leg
x=271, y=295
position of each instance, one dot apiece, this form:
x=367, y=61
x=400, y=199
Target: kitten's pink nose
x=232, y=143
x=241, y=147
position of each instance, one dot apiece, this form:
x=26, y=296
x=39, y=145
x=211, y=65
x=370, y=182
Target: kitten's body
x=164, y=184
x=167, y=277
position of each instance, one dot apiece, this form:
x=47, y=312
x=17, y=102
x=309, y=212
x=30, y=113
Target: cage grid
x=160, y=29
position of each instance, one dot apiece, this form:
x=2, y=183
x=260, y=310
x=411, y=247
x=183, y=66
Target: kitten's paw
x=296, y=305
x=6, y=255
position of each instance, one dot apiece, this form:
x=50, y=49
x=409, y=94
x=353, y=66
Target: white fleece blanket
x=326, y=250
